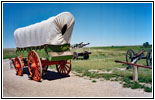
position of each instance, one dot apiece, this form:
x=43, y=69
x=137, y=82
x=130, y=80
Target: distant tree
x=146, y=44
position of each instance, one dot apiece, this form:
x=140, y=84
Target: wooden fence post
x=135, y=68
x=135, y=73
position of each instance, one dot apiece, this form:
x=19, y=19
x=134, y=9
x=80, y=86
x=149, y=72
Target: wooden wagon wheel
x=86, y=55
x=64, y=67
x=34, y=65
x=129, y=55
x=149, y=58
x=18, y=66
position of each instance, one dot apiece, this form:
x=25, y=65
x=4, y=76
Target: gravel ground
x=53, y=85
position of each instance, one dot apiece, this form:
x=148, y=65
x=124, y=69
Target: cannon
x=133, y=57
x=80, y=45
x=43, y=44
x=76, y=45
x=84, y=54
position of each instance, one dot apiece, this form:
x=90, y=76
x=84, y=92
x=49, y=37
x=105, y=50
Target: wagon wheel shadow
x=79, y=59
x=50, y=75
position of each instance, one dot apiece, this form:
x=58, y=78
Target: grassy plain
x=101, y=65
x=9, y=53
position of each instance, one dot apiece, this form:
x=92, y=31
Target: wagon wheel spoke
x=58, y=67
x=31, y=57
x=61, y=71
x=37, y=74
x=66, y=70
x=61, y=68
x=67, y=66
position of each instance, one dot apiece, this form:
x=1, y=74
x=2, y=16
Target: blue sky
x=101, y=24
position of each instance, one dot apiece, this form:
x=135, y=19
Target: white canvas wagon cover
x=56, y=30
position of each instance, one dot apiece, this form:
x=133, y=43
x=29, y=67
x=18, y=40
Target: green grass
x=148, y=89
x=102, y=59
x=94, y=81
x=9, y=53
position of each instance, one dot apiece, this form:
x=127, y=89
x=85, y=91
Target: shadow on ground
x=50, y=75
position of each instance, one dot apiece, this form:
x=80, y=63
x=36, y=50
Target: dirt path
x=53, y=85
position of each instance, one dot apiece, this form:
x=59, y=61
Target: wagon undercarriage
x=37, y=66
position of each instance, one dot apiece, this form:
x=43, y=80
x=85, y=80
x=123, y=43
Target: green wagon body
x=46, y=51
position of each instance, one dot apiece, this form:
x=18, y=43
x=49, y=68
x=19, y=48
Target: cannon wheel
x=149, y=58
x=64, y=67
x=34, y=66
x=86, y=55
x=18, y=66
x=129, y=55
x=75, y=55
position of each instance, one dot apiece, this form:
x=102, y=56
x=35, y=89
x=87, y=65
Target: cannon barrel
x=83, y=45
x=80, y=45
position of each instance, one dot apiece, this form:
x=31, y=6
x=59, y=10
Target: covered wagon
x=45, y=43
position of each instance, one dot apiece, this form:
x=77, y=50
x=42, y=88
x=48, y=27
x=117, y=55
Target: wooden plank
x=57, y=54
x=149, y=67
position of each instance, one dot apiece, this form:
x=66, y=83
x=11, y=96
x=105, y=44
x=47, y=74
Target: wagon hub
x=17, y=65
x=63, y=63
x=33, y=65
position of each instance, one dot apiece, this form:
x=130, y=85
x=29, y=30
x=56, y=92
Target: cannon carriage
x=43, y=44
x=83, y=53
x=133, y=57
